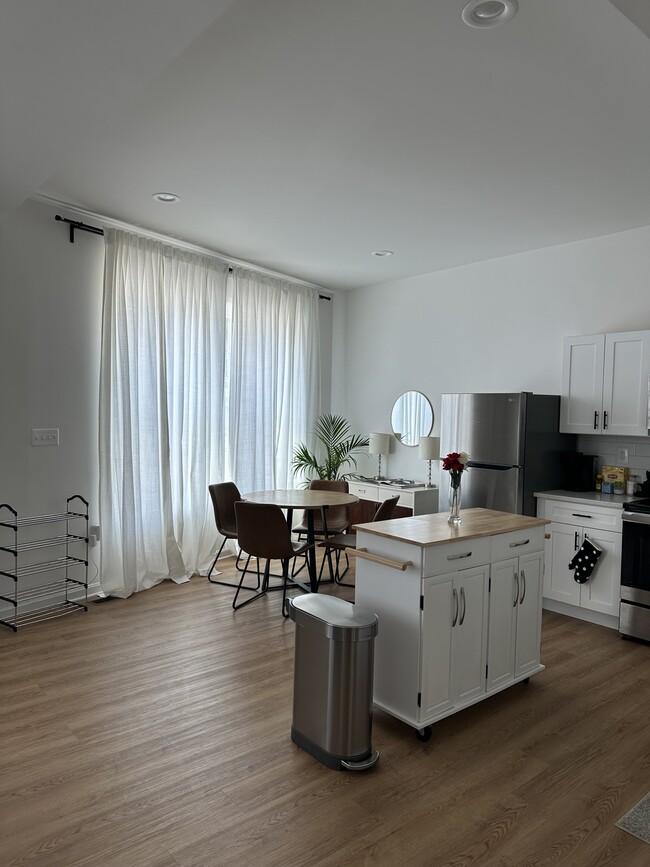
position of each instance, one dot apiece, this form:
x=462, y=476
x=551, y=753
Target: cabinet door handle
x=453, y=622
x=519, y=544
x=605, y=420
x=578, y=515
x=462, y=596
x=523, y=587
x=595, y=419
x=514, y=604
x=459, y=556
x=575, y=541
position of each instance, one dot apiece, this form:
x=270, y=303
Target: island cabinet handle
x=375, y=558
x=462, y=596
x=459, y=556
x=514, y=604
x=453, y=622
x=519, y=544
x=523, y=587
x=578, y=515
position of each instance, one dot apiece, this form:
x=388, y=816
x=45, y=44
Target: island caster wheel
x=424, y=734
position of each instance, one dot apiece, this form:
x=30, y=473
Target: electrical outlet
x=45, y=436
x=94, y=529
x=622, y=456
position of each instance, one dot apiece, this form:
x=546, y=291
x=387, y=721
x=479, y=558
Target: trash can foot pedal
x=363, y=764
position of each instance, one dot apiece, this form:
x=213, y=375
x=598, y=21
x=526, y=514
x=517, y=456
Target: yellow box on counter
x=614, y=479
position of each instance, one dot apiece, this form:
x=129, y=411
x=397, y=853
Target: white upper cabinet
x=605, y=384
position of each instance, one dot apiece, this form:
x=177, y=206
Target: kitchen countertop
x=590, y=498
x=428, y=530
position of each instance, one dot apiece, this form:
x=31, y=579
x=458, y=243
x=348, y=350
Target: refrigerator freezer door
x=489, y=427
x=499, y=489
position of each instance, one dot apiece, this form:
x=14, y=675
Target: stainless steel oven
x=634, y=614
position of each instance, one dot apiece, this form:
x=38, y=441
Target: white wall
x=50, y=332
x=50, y=326
x=493, y=326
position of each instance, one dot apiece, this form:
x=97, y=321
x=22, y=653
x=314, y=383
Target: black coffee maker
x=644, y=487
x=580, y=472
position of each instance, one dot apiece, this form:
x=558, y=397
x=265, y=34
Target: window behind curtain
x=206, y=375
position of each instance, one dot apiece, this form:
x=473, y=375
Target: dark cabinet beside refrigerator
x=514, y=446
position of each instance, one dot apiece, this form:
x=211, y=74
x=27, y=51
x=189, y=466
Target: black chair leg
x=285, y=579
x=214, y=563
x=264, y=584
x=229, y=583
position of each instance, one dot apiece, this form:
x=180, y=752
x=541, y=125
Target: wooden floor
x=156, y=731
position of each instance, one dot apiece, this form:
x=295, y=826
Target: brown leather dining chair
x=263, y=533
x=224, y=495
x=336, y=517
x=343, y=541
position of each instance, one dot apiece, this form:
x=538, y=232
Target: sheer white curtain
x=206, y=375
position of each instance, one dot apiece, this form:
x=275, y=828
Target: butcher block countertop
x=428, y=530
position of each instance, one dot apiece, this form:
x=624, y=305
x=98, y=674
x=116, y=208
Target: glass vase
x=454, y=503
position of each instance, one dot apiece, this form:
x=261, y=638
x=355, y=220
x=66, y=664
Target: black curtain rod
x=75, y=224
x=95, y=230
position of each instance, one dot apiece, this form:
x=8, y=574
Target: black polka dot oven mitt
x=584, y=560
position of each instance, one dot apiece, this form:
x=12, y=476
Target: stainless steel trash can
x=332, y=687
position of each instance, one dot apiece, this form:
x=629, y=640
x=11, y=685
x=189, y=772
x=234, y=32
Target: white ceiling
x=304, y=134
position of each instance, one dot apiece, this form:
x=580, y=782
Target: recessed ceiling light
x=166, y=198
x=489, y=13
x=382, y=253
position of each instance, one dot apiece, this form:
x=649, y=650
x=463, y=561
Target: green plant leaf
x=335, y=443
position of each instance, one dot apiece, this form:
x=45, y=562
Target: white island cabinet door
x=439, y=612
x=469, y=636
x=504, y=594
x=529, y=613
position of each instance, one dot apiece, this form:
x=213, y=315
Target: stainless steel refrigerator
x=514, y=447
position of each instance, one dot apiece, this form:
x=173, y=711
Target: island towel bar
x=383, y=561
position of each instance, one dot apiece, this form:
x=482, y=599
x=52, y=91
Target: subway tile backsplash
x=606, y=449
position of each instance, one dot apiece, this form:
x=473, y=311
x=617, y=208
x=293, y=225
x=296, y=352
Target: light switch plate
x=45, y=436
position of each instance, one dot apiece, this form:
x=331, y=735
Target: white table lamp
x=379, y=445
x=429, y=450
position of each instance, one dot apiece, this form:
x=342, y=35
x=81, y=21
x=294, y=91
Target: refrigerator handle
x=480, y=466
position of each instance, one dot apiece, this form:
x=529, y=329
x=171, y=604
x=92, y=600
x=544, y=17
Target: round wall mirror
x=411, y=418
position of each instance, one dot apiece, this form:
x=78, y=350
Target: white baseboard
x=581, y=613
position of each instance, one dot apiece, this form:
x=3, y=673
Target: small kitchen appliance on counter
x=634, y=612
x=581, y=471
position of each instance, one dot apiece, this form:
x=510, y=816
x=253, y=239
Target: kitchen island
x=459, y=609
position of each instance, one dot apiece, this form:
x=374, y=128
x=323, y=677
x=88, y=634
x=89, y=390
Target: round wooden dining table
x=309, y=500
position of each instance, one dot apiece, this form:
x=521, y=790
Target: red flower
x=455, y=462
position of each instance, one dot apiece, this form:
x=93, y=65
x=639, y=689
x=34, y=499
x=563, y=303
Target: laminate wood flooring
x=155, y=732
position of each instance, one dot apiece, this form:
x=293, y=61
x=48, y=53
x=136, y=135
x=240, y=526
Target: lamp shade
x=429, y=448
x=379, y=444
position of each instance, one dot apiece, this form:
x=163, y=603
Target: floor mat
x=637, y=821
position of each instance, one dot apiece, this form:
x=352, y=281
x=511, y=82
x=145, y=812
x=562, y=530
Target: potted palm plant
x=335, y=451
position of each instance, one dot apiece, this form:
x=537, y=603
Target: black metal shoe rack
x=18, y=564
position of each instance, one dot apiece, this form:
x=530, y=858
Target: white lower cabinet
x=454, y=639
x=571, y=525
x=602, y=591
